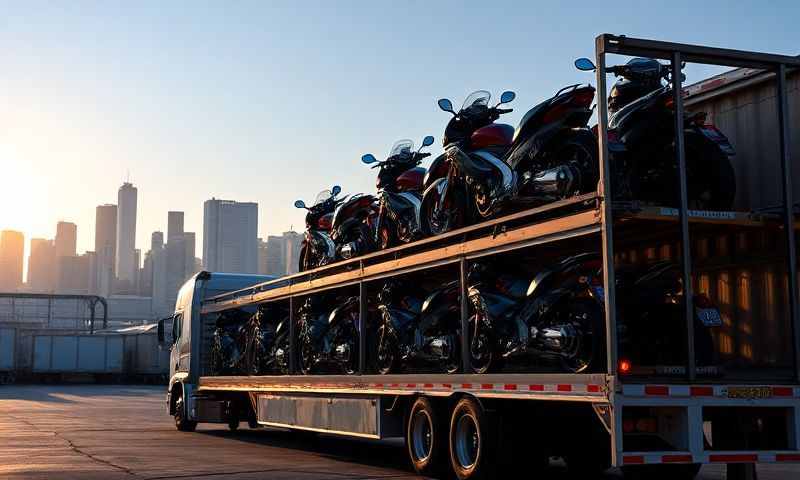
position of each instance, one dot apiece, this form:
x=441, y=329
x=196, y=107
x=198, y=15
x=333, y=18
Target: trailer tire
x=181, y=422
x=471, y=441
x=426, y=438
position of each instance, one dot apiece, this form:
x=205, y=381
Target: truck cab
x=186, y=333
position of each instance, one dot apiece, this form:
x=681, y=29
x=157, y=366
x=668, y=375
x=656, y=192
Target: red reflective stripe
x=783, y=391
x=510, y=386
x=536, y=388
x=487, y=386
x=633, y=459
x=378, y=385
x=656, y=390
x=746, y=458
x=564, y=388
x=466, y=385
x=395, y=385
x=677, y=459
x=787, y=457
x=428, y=385
x=447, y=385
x=593, y=388
x=411, y=385
x=701, y=391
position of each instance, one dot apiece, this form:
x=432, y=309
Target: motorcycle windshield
x=402, y=147
x=479, y=98
x=322, y=197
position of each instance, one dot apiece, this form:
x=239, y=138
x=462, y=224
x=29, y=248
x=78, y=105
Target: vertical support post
x=788, y=210
x=362, y=328
x=606, y=209
x=683, y=213
x=92, y=305
x=607, y=233
x=49, y=310
x=465, y=357
x=292, y=338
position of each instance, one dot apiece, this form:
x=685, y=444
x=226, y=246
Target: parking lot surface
x=110, y=432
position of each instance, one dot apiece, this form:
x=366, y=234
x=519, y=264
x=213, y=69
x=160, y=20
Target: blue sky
x=269, y=102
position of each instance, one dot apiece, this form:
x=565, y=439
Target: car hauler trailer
x=703, y=389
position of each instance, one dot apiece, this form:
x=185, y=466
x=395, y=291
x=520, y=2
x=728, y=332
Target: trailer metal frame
x=592, y=214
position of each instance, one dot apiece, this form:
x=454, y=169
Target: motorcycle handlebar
x=504, y=110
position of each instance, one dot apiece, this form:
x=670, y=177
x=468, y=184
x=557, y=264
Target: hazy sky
x=267, y=102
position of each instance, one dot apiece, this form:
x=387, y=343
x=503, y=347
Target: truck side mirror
x=161, y=340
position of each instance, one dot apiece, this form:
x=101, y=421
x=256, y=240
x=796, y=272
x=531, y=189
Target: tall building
x=276, y=256
x=230, y=236
x=73, y=274
x=156, y=240
x=291, y=247
x=263, y=258
x=66, y=239
x=174, y=225
x=12, y=247
x=105, y=247
x=42, y=265
x=125, y=264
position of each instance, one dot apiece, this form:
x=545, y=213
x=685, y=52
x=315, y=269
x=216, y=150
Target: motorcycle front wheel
x=451, y=216
x=306, y=357
x=481, y=351
x=386, y=356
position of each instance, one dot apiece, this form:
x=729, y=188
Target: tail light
x=625, y=366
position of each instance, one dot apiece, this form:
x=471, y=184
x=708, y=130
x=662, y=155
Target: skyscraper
x=125, y=263
x=66, y=239
x=105, y=245
x=291, y=246
x=230, y=236
x=42, y=265
x=174, y=225
x=156, y=240
x=12, y=246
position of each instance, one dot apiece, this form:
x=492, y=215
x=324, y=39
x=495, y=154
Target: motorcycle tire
x=481, y=351
x=590, y=316
x=387, y=236
x=580, y=150
x=433, y=224
x=706, y=161
x=388, y=343
x=306, y=360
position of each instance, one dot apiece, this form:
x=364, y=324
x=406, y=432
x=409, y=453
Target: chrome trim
x=505, y=170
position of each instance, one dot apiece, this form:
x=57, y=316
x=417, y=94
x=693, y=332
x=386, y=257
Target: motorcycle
x=641, y=134
x=268, y=340
x=552, y=316
x=488, y=167
x=317, y=248
x=417, y=328
x=329, y=339
x=399, y=193
x=228, y=343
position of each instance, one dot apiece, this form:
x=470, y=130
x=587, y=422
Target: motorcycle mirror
x=300, y=204
x=446, y=105
x=427, y=141
x=507, y=96
x=585, y=64
x=336, y=190
x=368, y=158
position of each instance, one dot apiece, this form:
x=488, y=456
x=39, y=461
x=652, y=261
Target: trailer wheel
x=471, y=453
x=181, y=422
x=425, y=438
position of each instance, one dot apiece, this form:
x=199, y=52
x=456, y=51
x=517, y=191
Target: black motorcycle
x=267, y=350
x=328, y=338
x=553, y=316
x=399, y=193
x=488, y=167
x=418, y=329
x=318, y=248
x=229, y=343
x=641, y=130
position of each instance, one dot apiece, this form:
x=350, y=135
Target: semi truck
x=714, y=380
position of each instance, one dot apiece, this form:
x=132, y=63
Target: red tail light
x=625, y=366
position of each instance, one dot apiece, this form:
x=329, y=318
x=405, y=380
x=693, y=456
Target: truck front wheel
x=471, y=450
x=181, y=422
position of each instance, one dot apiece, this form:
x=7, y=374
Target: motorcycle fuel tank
x=494, y=135
x=411, y=180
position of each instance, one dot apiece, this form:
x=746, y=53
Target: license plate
x=750, y=392
x=710, y=317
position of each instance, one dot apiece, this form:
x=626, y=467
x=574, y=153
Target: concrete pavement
x=122, y=432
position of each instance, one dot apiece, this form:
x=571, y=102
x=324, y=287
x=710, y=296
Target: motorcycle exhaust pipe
x=560, y=181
